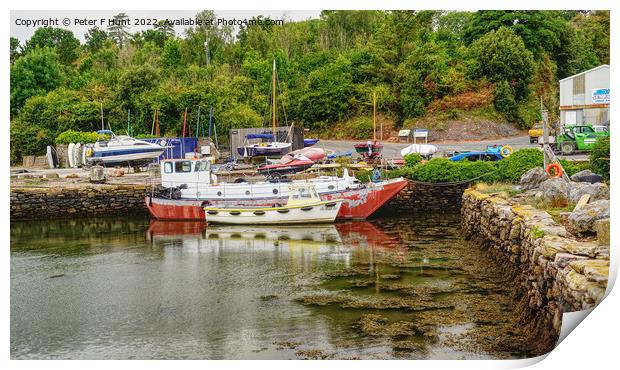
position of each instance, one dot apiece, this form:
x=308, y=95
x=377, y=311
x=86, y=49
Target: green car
x=578, y=138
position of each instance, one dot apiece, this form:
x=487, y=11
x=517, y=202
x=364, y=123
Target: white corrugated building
x=584, y=97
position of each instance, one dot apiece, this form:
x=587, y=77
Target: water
x=130, y=288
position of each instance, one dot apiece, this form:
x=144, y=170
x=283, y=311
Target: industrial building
x=584, y=97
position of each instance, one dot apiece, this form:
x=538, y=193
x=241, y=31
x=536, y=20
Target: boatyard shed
x=584, y=97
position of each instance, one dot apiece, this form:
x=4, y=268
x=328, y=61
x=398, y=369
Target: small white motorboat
x=304, y=206
x=425, y=150
x=122, y=149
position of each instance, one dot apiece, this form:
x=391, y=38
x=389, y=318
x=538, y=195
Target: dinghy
x=304, y=206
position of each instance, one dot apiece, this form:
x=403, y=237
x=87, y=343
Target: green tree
x=14, y=53
x=95, y=39
x=66, y=45
x=502, y=56
x=117, y=29
x=35, y=73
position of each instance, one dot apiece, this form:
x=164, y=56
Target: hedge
x=71, y=136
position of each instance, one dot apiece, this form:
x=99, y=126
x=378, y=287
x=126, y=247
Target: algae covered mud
x=130, y=288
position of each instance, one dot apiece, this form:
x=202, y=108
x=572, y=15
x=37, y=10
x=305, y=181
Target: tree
x=36, y=73
x=117, y=29
x=95, y=39
x=171, y=56
x=66, y=45
x=502, y=56
x=165, y=28
x=14, y=53
x=540, y=30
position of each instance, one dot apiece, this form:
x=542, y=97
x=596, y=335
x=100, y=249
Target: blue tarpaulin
x=180, y=146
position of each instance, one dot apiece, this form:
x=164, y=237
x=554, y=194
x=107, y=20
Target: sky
x=24, y=31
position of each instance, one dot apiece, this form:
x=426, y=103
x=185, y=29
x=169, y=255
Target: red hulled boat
x=359, y=203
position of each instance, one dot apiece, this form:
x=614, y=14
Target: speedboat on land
x=266, y=149
x=295, y=161
x=304, y=206
x=122, y=149
x=425, y=150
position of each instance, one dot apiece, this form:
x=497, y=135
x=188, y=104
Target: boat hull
x=310, y=213
x=268, y=150
x=358, y=203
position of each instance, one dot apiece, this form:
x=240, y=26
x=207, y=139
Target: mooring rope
x=453, y=183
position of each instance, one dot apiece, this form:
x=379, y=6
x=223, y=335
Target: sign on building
x=600, y=96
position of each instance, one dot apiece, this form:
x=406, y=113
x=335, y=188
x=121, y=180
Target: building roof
x=584, y=72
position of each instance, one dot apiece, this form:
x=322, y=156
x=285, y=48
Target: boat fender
x=162, y=143
x=505, y=151
x=556, y=168
x=89, y=152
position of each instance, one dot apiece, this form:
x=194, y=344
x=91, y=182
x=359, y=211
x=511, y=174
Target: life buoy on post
x=505, y=151
x=556, y=168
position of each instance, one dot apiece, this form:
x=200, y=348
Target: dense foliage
x=328, y=69
x=71, y=136
x=600, y=157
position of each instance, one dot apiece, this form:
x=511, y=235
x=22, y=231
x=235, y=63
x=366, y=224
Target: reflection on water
x=130, y=288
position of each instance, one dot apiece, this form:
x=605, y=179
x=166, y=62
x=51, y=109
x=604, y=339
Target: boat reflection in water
x=339, y=242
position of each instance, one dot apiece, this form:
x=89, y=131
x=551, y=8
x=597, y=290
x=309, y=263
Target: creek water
x=131, y=288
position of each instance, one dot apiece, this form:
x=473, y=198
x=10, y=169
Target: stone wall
x=416, y=197
x=557, y=273
x=29, y=203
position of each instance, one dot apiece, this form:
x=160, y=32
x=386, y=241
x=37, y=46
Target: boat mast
x=273, y=91
x=101, y=110
x=374, y=116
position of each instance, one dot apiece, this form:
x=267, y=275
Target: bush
x=363, y=128
x=71, y=136
x=599, y=157
x=27, y=140
x=512, y=168
x=412, y=160
x=572, y=167
x=444, y=170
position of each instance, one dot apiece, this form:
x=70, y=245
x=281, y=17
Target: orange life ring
x=557, y=170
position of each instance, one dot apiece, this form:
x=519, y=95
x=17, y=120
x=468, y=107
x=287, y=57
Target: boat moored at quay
x=189, y=186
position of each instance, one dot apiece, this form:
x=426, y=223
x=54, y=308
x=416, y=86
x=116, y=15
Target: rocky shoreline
x=556, y=272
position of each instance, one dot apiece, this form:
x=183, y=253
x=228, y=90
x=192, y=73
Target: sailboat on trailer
x=272, y=147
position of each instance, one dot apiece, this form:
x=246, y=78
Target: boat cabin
x=302, y=193
x=176, y=172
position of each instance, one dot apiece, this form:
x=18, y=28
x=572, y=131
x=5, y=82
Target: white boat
x=304, y=206
x=425, y=150
x=70, y=154
x=77, y=155
x=122, y=149
x=196, y=181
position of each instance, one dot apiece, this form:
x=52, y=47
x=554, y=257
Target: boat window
x=167, y=167
x=302, y=193
x=182, y=166
x=275, y=191
x=201, y=166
